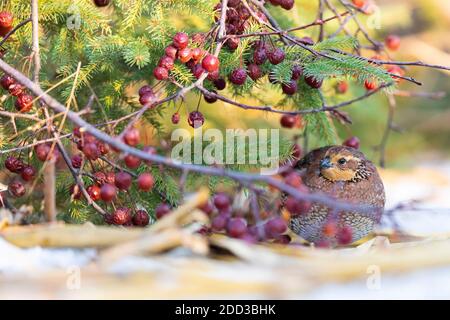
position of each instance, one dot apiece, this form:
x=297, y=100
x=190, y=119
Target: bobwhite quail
x=346, y=175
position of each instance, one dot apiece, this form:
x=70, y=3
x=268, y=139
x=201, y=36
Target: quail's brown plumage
x=345, y=174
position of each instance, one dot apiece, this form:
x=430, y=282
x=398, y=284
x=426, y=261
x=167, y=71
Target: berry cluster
x=26, y=171
x=24, y=101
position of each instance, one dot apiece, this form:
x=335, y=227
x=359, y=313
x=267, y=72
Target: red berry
x=16, y=189
x=197, y=54
x=75, y=192
x=102, y=147
x=275, y=227
x=108, y=192
x=290, y=88
x=254, y=71
x=94, y=192
x=219, y=222
x=147, y=99
x=145, y=89
x=297, y=207
x=91, y=151
x=180, y=40
x=131, y=137
x=210, y=63
x=297, y=72
x=176, y=118
x=283, y=239
x=198, y=71
x=14, y=164
x=100, y=178
x=288, y=121
x=313, y=82
x=213, y=76
x=238, y=76
x=233, y=3
x=145, y=181
x=210, y=97
x=275, y=2
x=132, y=161
x=15, y=89
x=6, y=22
x=232, y=44
x=121, y=216
x=161, y=210
x=345, y=235
x=329, y=229
x=207, y=208
x=236, y=227
x=287, y=4
x=184, y=55
x=221, y=201
x=101, y=3
x=28, y=173
x=171, y=51
x=296, y=151
x=342, y=87
x=352, y=142
x=166, y=62
x=276, y=56
x=24, y=103
x=42, y=151
x=370, y=85
x=396, y=71
x=6, y=81
x=259, y=55
x=220, y=84
x=161, y=73
x=393, y=42
x=196, y=119
x=123, y=180
x=141, y=218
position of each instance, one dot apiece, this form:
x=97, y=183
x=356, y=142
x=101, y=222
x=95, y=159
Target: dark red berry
x=180, y=40
x=145, y=89
x=259, y=55
x=28, y=173
x=297, y=72
x=100, y=178
x=16, y=189
x=275, y=2
x=210, y=97
x=288, y=121
x=6, y=22
x=171, y=51
x=236, y=227
x=275, y=227
x=352, y=142
x=122, y=216
x=176, y=118
x=166, y=62
x=131, y=137
x=123, y=180
x=283, y=239
x=91, y=151
x=238, y=76
x=42, y=151
x=184, y=55
x=233, y=3
x=24, y=103
x=15, y=89
x=213, y=76
x=221, y=201
x=141, y=218
x=102, y=147
x=345, y=235
x=210, y=63
x=198, y=71
x=207, y=208
x=276, y=56
x=101, y=3
x=254, y=71
x=13, y=164
x=220, y=84
x=196, y=119
x=287, y=4
x=297, y=151
x=108, y=192
x=297, y=207
x=161, y=210
x=75, y=192
x=132, y=161
x=161, y=73
x=145, y=181
x=6, y=81
x=307, y=40
x=313, y=82
x=232, y=44
x=94, y=192
x=290, y=88
x=219, y=222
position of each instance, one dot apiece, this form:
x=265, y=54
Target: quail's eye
x=342, y=161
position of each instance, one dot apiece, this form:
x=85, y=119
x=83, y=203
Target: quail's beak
x=325, y=163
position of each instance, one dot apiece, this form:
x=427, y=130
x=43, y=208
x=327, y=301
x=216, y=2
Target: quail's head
x=343, y=164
